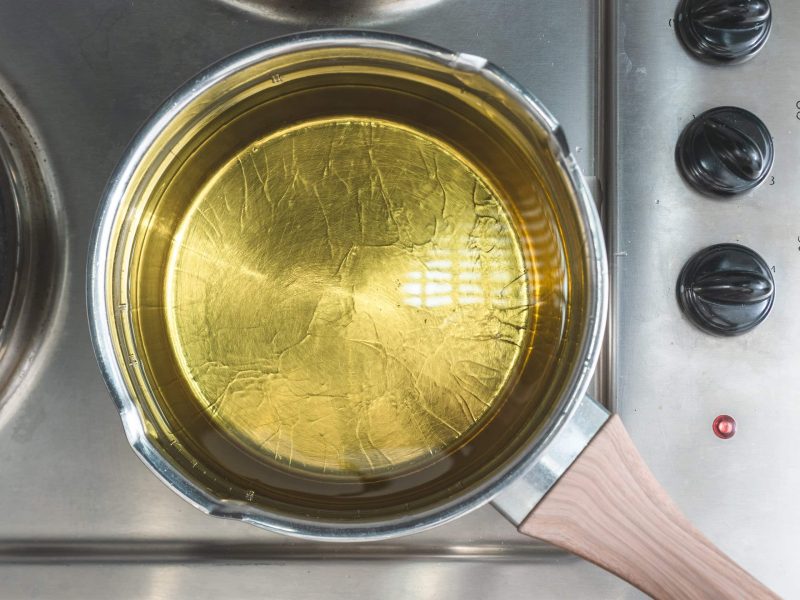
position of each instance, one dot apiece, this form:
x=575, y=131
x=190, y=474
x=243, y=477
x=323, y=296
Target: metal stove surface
x=81, y=517
x=668, y=379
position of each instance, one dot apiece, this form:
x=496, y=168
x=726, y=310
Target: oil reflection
x=461, y=282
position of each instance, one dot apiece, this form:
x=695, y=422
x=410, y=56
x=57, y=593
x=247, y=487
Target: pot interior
x=347, y=280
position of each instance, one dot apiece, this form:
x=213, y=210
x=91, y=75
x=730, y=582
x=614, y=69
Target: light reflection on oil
x=456, y=282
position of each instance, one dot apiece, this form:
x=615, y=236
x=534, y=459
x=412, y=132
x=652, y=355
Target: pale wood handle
x=609, y=509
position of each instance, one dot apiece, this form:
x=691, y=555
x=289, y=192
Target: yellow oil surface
x=348, y=296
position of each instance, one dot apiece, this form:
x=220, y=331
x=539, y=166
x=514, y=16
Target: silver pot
x=537, y=452
x=549, y=458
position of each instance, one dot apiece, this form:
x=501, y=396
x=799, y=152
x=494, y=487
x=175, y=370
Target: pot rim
x=98, y=296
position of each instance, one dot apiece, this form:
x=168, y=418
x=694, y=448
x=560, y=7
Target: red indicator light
x=724, y=427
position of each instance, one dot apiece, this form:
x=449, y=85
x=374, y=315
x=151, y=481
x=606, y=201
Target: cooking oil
x=348, y=297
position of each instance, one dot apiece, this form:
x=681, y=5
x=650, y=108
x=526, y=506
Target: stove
x=669, y=379
x=81, y=517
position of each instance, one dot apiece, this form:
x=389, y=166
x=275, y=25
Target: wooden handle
x=609, y=509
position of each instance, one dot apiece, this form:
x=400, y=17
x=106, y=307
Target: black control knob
x=726, y=289
x=723, y=31
x=725, y=151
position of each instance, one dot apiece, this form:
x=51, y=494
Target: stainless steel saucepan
x=350, y=286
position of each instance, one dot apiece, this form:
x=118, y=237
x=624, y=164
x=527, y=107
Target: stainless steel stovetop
x=81, y=517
